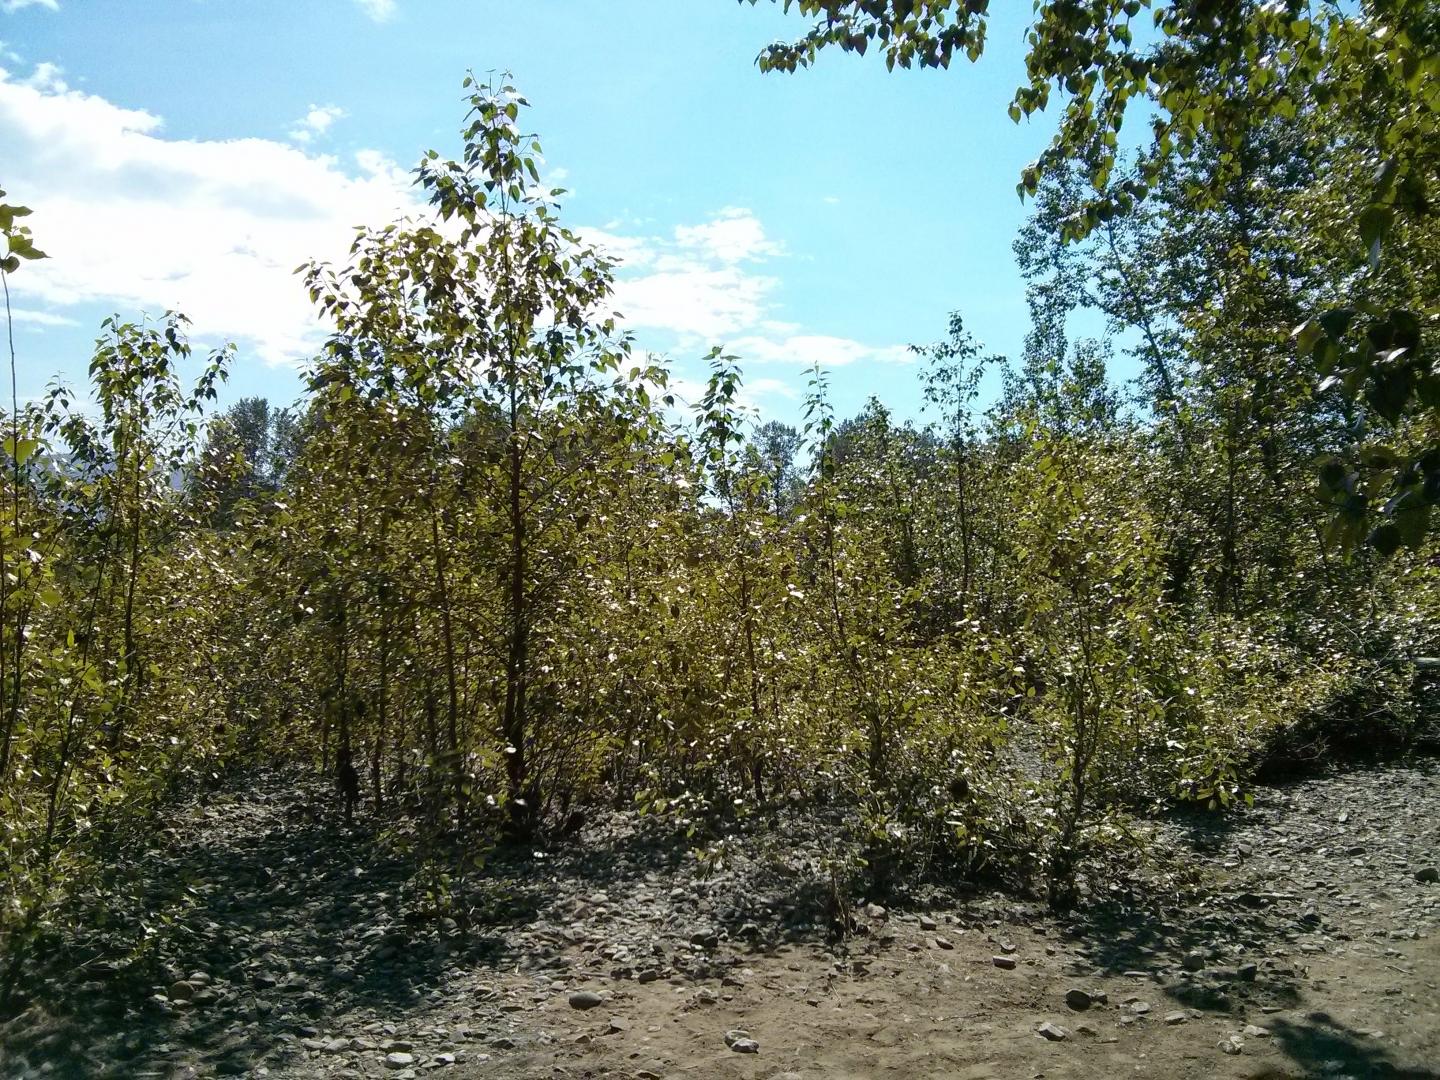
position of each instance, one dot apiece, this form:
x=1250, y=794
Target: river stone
x=181, y=991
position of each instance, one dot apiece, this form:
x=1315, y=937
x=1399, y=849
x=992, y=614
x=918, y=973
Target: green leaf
x=1375, y=223
x=1412, y=523
x=1389, y=392
x=1307, y=335
x=1386, y=539
x=22, y=451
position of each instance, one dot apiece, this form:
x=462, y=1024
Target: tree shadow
x=293, y=917
x=1324, y=1047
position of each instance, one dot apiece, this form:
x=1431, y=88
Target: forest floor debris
x=274, y=946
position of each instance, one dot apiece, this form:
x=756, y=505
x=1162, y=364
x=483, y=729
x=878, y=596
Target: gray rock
x=927, y=923
x=399, y=1060
x=745, y=1046
x=585, y=999
x=944, y=943
x=1078, y=999
x=1006, y=962
x=181, y=991
x=1053, y=1032
x=1194, y=961
x=1247, y=972
x=1428, y=875
x=1175, y=1018
x=734, y=1035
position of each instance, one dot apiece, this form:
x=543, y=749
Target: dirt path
x=273, y=945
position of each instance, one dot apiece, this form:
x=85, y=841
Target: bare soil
x=1294, y=939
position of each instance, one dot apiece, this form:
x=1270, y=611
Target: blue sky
x=191, y=152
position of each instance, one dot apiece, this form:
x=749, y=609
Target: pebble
x=585, y=999
x=739, y=1040
x=181, y=991
x=1006, y=962
x=927, y=923
x=1175, y=1018
x=399, y=1059
x=944, y=943
x=1233, y=1045
x=1053, y=1032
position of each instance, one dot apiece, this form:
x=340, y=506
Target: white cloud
x=316, y=122
x=768, y=387
x=734, y=235
x=213, y=228
x=41, y=318
x=7, y=6
x=133, y=220
x=694, y=300
x=806, y=350
x=697, y=286
x=693, y=283
x=46, y=76
x=379, y=10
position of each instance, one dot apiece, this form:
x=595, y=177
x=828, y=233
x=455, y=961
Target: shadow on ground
x=1323, y=1047
x=289, y=917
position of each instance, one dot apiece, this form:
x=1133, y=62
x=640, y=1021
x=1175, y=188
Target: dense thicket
x=491, y=575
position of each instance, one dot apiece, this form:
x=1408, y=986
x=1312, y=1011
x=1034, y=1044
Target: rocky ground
x=268, y=941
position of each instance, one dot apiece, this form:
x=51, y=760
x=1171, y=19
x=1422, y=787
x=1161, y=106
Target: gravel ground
x=1295, y=939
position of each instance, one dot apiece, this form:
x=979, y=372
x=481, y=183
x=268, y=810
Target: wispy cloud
x=8, y=6
x=806, y=350
x=379, y=10
x=712, y=284
x=316, y=122
x=41, y=318
x=734, y=235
